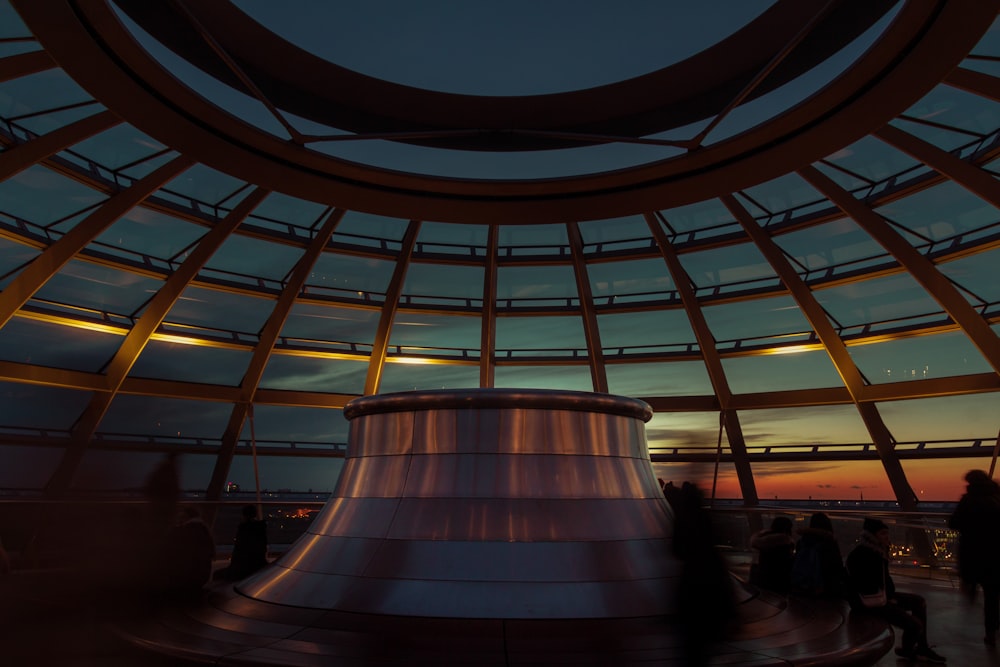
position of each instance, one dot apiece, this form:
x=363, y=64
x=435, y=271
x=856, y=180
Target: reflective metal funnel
x=487, y=503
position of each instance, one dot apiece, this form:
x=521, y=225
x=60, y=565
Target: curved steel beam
x=53, y=258
x=488, y=338
x=713, y=362
x=835, y=347
x=380, y=346
x=591, y=332
x=262, y=352
x=922, y=269
x=21, y=156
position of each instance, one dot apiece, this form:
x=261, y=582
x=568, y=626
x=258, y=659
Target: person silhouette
x=977, y=520
x=249, y=548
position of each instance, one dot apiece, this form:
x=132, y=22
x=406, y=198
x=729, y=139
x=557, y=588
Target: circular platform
x=227, y=628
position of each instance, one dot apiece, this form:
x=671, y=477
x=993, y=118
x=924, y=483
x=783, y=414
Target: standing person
x=977, y=520
x=162, y=490
x=874, y=592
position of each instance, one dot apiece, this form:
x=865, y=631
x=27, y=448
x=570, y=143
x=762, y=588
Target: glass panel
x=39, y=92
x=977, y=274
x=536, y=286
x=625, y=282
x=941, y=480
x=166, y=419
x=896, y=300
x=253, y=258
x=279, y=208
x=11, y=24
x=419, y=332
x=944, y=138
x=829, y=480
x=780, y=372
x=779, y=100
x=803, y=427
x=574, y=378
x=444, y=284
x=784, y=193
x=686, y=431
x=99, y=287
x=871, y=159
x=309, y=475
x=118, y=147
x=365, y=229
x=150, y=234
x=42, y=196
x=615, y=234
x=561, y=336
x=340, y=275
x=700, y=216
x=204, y=184
x=943, y=418
x=220, y=312
x=412, y=377
x=646, y=331
x=832, y=248
x=191, y=363
x=675, y=378
x=312, y=324
x=49, y=121
x=917, y=358
x=702, y=475
x=950, y=106
x=516, y=240
x=56, y=345
x=285, y=424
x=27, y=467
x=13, y=257
x=940, y=212
x=451, y=239
x=37, y=407
x=757, y=322
x=335, y=376
x=989, y=45
x=102, y=470
x=733, y=268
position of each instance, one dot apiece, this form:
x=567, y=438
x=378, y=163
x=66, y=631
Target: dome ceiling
x=791, y=253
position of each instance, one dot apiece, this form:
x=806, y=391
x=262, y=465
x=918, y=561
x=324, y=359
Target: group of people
x=182, y=548
x=812, y=565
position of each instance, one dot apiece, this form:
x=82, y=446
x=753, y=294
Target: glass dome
x=789, y=252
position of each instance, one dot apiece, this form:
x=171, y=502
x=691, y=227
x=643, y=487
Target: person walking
x=977, y=520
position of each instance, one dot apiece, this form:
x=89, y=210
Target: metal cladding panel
x=525, y=476
x=374, y=477
x=447, y=560
x=469, y=599
x=356, y=517
x=487, y=504
x=390, y=433
x=331, y=554
x=530, y=520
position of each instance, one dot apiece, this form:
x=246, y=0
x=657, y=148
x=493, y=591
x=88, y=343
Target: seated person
x=249, y=549
x=189, y=551
x=818, y=568
x=873, y=592
x=774, y=551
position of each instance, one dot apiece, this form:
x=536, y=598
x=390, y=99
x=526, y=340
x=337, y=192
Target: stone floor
x=54, y=618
